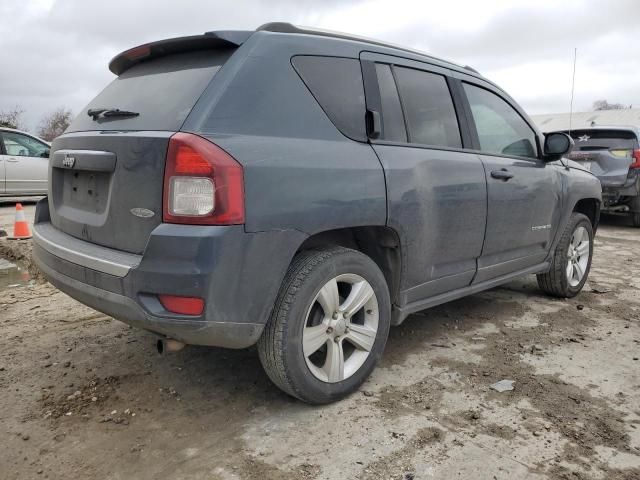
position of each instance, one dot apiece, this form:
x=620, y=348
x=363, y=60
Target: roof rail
x=284, y=27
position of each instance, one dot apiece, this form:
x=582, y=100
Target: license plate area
x=82, y=190
x=581, y=157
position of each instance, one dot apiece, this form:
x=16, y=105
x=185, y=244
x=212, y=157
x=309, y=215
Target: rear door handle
x=12, y=160
x=375, y=124
x=502, y=174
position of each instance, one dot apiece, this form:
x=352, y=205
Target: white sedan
x=24, y=163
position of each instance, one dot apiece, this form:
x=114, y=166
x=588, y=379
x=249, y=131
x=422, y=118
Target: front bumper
x=238, y=275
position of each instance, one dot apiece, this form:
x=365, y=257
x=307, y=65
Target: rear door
x=607, y=153
x=524, y=193
x=105, y=169
x=25, y=164
x=436, y=189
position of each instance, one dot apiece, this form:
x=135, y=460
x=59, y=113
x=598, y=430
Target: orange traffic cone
x=21, y=228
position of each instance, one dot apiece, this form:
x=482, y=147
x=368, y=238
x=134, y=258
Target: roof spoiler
x=220, y=39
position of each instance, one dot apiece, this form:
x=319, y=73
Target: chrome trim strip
x=95, y=257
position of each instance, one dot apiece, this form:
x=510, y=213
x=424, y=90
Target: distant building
x=560, y=121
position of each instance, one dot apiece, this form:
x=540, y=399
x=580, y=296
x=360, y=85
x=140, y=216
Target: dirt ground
x=84, y=396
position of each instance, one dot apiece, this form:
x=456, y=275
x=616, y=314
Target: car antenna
x=573, y=86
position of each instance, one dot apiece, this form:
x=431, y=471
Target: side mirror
x=556, y=145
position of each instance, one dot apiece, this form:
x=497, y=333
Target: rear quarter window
x=162, y=90
x=336, y=84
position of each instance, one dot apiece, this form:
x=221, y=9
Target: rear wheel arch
x=380, y=243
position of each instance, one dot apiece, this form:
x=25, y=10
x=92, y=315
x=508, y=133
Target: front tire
x=328, y=327
x=571, y=260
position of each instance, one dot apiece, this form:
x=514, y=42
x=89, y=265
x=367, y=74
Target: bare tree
x=54, y=123
x=604, y=105
x=12, y=118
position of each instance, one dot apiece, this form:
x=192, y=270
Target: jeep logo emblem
x=68, y=161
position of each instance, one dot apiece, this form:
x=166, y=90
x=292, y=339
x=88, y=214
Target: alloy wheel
x=578, y=256
x=340, y=328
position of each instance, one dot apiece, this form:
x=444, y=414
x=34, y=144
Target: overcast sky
x=55, y=52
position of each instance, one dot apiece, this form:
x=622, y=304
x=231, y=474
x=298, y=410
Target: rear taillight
x=203, y=184
x=636, y=159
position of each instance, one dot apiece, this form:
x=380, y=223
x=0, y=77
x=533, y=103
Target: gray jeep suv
x=304, y=191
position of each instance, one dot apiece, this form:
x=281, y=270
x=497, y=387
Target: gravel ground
x=84, y=396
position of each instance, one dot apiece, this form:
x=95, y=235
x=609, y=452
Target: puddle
x=13, y=274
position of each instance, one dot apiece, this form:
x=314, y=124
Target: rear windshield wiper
x=96, y=113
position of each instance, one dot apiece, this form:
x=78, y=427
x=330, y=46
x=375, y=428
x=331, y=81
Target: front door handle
x=12, y=160
x=502, y=174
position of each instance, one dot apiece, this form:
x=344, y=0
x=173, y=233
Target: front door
x=524, y=193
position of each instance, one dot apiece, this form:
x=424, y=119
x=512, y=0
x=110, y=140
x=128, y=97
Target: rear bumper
x=615, y=197
x=238, y=274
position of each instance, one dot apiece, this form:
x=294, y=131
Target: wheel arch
x=591, y=208
x=380, y=243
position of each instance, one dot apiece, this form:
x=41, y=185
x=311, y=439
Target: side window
x=428, y=107
x=336, y=83
x=392, y=118
x=501, y=129
x=19, y=145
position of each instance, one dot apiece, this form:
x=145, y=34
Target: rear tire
x=635, y=207
x=571, y=261
x=328, y=327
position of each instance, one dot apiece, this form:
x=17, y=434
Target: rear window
x=336, y=83
x=428, y=106
x=163, y=91
x=586, y=140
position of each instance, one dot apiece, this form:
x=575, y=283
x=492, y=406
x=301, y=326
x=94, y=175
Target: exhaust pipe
x=168, y=345
x=619, y=208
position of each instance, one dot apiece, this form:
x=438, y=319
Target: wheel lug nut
x=330, y=330
x=335, y=315
x=337, y=339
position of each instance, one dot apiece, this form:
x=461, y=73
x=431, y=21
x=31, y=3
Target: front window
x=501, y=130
x=18, y=145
